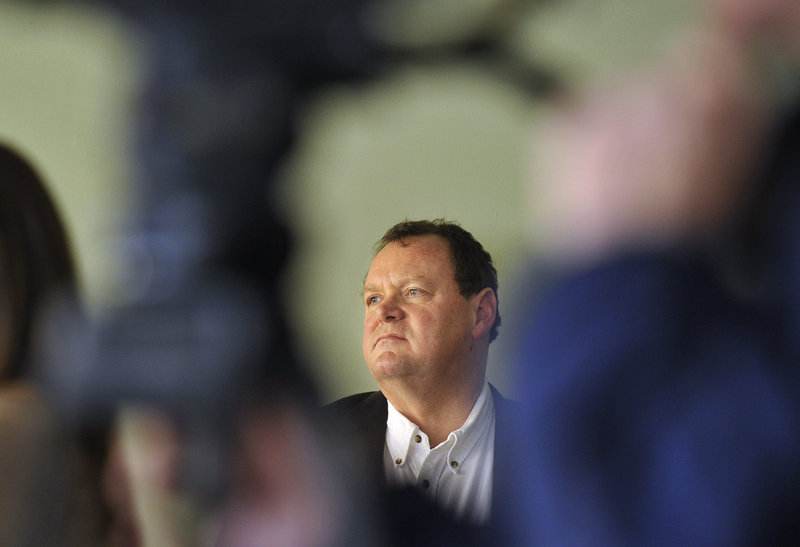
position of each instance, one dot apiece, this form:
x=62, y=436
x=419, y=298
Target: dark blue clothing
x=661, y=406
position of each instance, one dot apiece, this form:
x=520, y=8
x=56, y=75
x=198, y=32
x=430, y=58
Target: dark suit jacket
x=364, y=417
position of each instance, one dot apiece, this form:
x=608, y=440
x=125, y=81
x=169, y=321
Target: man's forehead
x=415, y=258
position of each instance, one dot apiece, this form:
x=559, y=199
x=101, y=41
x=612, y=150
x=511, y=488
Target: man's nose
x=390, y=309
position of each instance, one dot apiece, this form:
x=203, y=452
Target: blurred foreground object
x=49, y=475
x=660, y=368
x=197, y=338
x=663, y=155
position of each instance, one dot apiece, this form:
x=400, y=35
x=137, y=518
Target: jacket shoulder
x=361, y=404
x=362, y=418
x=503, y=401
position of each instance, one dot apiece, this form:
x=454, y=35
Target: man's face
x=416, y=321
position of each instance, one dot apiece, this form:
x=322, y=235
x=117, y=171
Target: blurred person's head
x=35, y=257
x=776, y=20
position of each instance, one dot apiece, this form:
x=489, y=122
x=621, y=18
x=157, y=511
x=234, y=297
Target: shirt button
x=418, y=438
x=398, y=461
x=453, y=464
x=425, y=483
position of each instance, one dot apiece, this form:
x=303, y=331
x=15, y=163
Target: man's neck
x=436, y=412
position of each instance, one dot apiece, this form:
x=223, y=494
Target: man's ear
x=485, y=308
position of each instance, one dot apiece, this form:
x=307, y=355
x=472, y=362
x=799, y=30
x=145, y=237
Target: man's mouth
x=384, y=337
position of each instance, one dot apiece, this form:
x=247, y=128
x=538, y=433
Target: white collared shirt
x=457, y=473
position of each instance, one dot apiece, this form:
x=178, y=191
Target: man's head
x=430, y=305
x=473, y=266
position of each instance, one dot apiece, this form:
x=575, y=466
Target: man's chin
x=388, y=366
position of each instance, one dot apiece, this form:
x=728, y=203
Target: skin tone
x=659, y=157
x=424, y=343
x=664, y=155
x=747, y=20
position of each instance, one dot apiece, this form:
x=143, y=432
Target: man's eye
x=414, y=292
x=373, y=300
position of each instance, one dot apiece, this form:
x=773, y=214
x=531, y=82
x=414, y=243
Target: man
x=431, y=311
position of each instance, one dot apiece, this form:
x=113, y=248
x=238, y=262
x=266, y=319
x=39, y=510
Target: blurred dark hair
x=35, y=257
x=474, y=270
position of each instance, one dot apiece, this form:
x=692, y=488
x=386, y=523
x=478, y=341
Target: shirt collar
x=475, y=427
x=401, y=431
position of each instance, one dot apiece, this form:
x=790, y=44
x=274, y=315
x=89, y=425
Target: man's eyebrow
x=410, y=280
x=416, y=279
x=368, y=288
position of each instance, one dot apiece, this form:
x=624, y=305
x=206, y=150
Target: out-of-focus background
x=444, y=133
